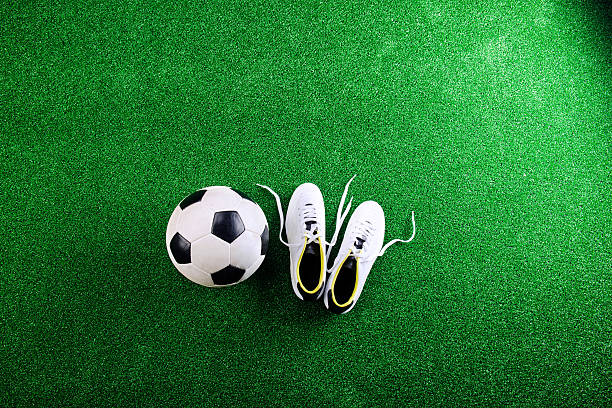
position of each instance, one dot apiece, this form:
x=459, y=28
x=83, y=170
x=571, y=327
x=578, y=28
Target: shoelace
x=309, y=214
x=364, y=231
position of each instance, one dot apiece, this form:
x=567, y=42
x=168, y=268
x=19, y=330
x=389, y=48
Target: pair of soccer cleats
x=341, y=285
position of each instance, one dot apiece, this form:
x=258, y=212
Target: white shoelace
x=309, y=214
x=340, y=216
x=365, y=231
x=395, y=241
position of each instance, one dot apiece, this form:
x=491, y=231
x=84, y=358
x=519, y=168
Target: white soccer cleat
x=362, y=244
x=308, y=249
x=305, y=227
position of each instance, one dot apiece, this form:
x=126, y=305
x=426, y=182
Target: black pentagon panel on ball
x=265, y=238
x=228, y=275
x=241, y=194
x=227, y=225
x=181, y=249
x=192, y=198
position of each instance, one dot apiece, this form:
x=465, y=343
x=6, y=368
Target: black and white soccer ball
x=217, y=236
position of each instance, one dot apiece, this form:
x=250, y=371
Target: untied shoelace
x=363, y=231
x=309, y=214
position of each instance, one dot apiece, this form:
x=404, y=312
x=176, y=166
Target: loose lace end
x=340, y=216
x=279, y=207
x=382, y=251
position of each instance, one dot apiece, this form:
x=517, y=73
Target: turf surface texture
x=490, y=119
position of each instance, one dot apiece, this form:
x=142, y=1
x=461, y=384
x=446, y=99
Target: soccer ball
x=217, y=236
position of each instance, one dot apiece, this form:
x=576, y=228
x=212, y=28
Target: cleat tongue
x=309, y=225
x=311, y=249
x=359, y=243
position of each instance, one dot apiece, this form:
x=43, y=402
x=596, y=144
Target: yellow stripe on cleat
x=321, y=275
x=348, y=302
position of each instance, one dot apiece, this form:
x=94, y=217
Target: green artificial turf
x=490, y=119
